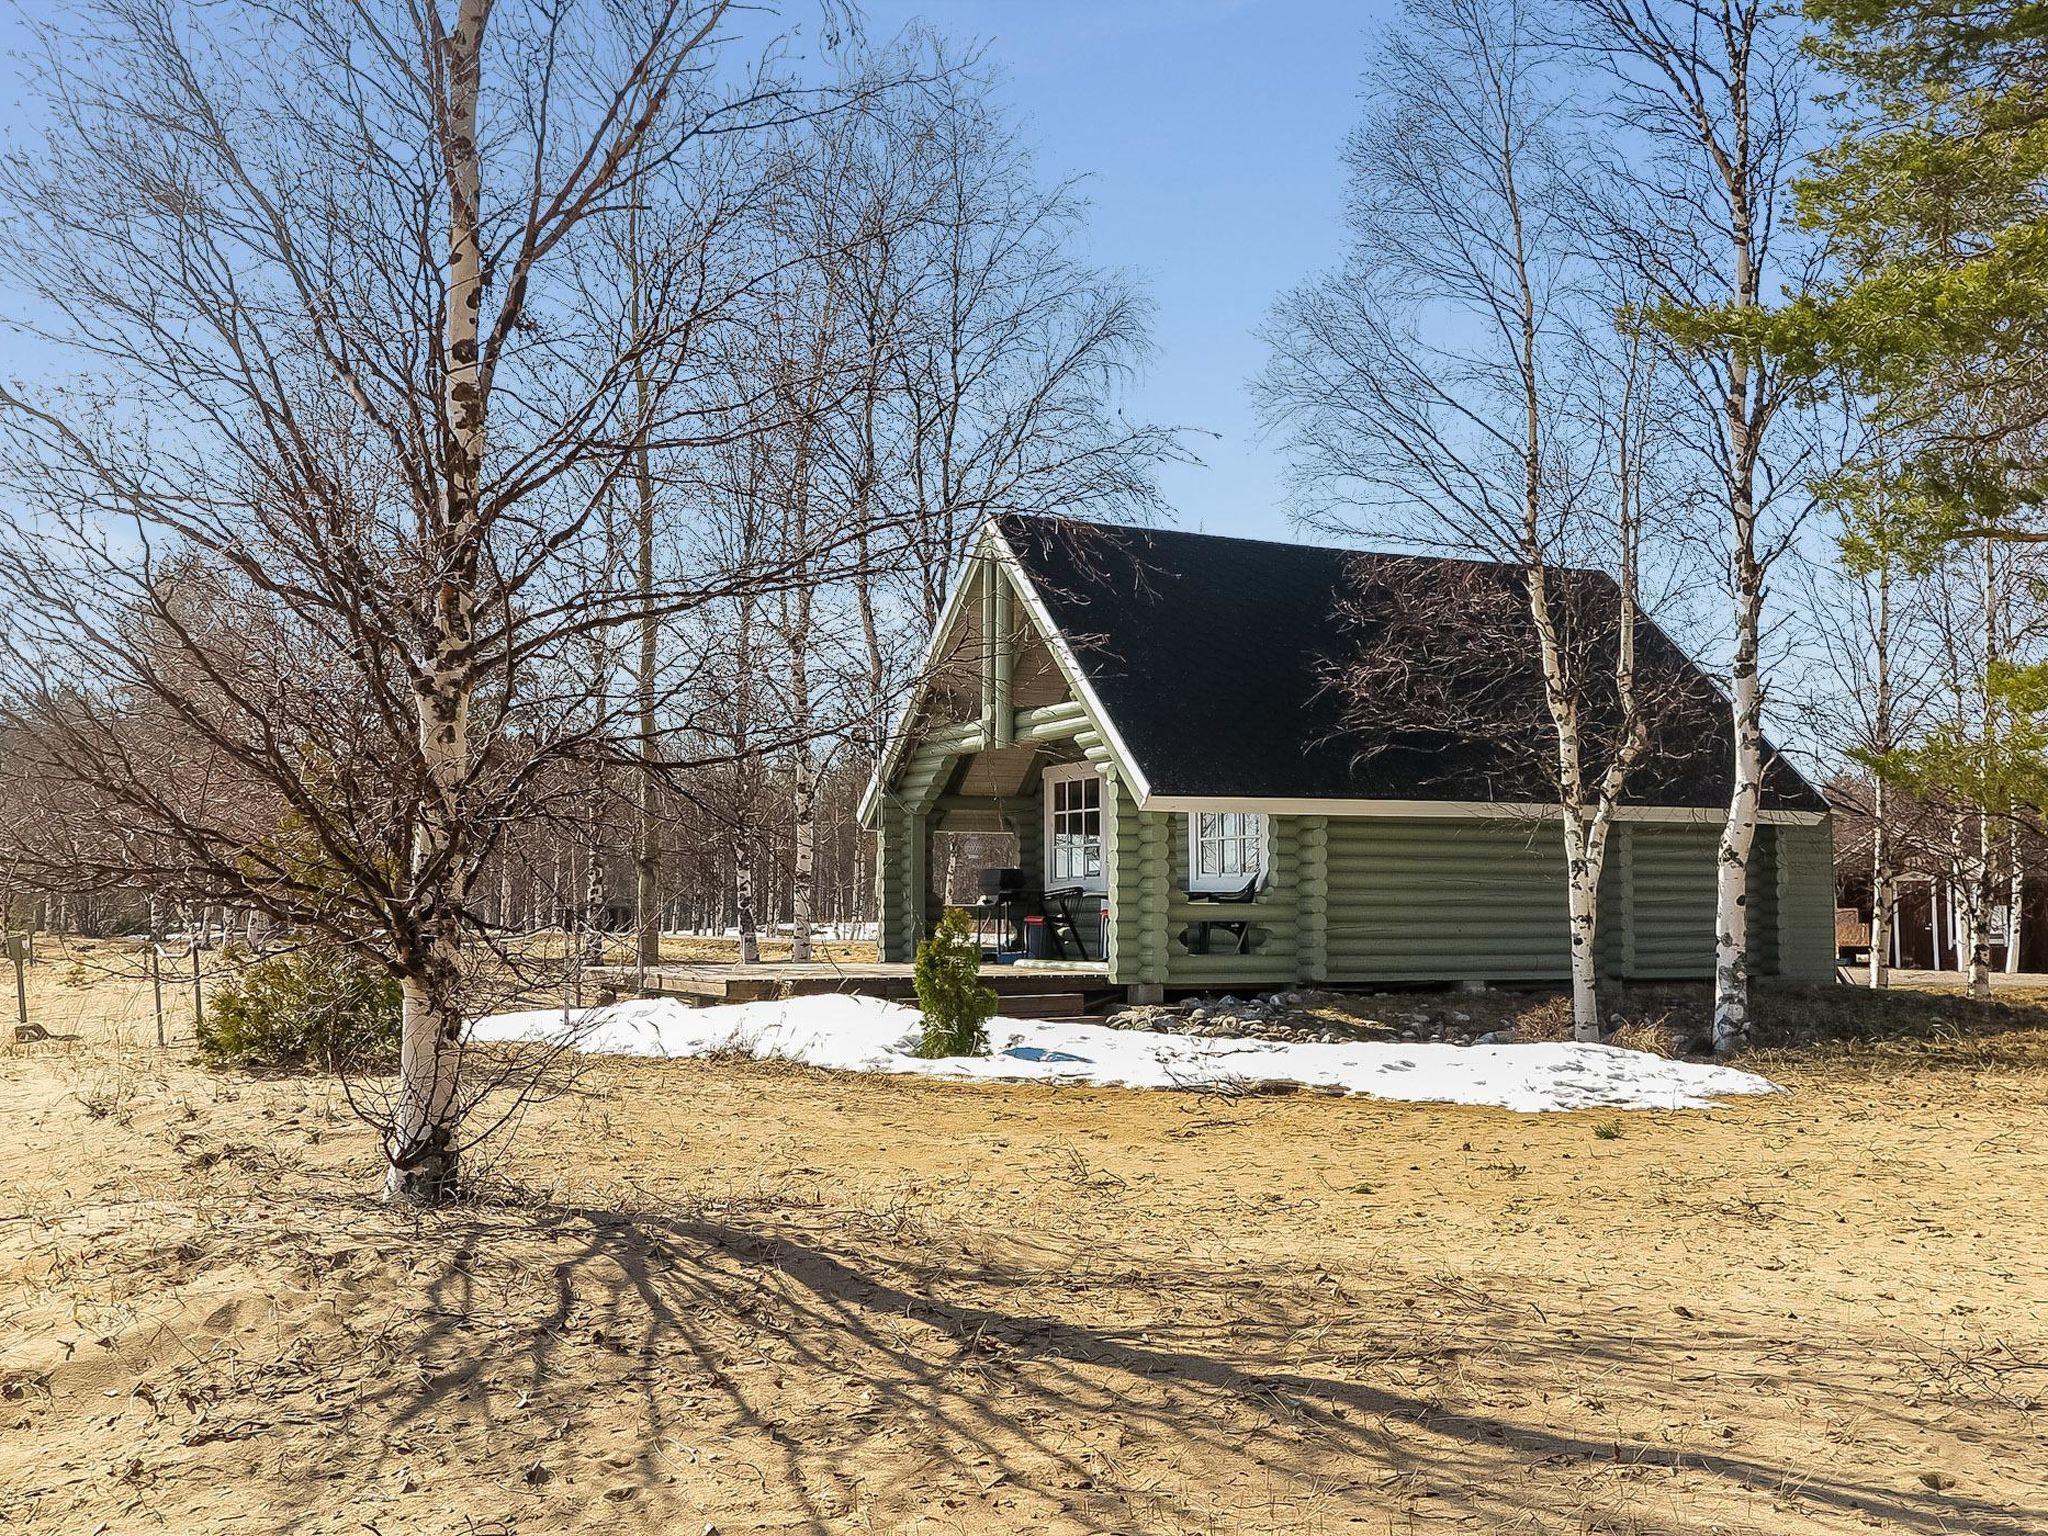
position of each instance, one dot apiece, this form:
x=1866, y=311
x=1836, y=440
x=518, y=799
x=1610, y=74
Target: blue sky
x=1209, y=130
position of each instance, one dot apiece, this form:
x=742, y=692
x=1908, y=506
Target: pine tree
x=956, y=1005
x=1935, y=201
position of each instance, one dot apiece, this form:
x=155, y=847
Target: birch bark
x=1977, y=896
x=2015, y=895
x=1738, y=833
x=1883, y=895
x=422, y=1152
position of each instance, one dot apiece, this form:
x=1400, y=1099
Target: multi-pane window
x=1224, y=849
x=1073, y=827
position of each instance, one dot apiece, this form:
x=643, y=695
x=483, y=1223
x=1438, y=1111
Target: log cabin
x=1150, y=717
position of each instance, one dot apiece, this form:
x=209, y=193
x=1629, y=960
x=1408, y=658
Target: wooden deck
x=1028, y=989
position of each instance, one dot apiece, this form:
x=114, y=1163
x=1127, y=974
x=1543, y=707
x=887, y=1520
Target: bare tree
x=1981, y=760
x=1011, y=351
x=1710, y=97
x=1460, y=384
x=331, y=514
x=938, y=354
x=1866, y=618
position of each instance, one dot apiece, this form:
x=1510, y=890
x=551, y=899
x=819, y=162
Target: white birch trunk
x=1582, y=882
x=422, y=1147
x=743, y=904
x=1977, y=912
x=1738, y=834
x=1882, y=897
x=2015, y=897
x=1981, y=876
x=1743, y=424
x=1737, y=840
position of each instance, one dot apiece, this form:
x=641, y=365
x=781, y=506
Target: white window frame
x=1073, y=773
x=1258, y=834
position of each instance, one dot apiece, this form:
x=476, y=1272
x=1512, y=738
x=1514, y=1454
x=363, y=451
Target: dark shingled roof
x=1210, y=655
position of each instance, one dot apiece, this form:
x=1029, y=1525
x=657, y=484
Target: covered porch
x=998, y=741
x=1005, y=737
x=1044, y=788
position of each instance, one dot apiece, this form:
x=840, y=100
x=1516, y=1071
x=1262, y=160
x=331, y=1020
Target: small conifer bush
x=956, y=1005
x=314, y=1007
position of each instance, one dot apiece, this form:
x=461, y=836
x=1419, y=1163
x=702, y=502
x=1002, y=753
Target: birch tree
x=1710, y=96
x=343, y=280
x=1981, y=762
x=1460, y=385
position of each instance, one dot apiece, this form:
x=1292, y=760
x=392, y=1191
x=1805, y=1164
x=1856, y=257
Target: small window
x=1226, y=850
x=1073, y=827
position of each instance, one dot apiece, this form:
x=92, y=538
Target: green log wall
x=1806, y=903
x=1369, y=899
x=1366, y=899
x=1442, y=899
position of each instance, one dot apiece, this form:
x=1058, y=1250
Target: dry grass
x=753, y=1297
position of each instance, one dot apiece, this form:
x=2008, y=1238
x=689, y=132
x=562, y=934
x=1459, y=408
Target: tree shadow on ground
x=867, y=1366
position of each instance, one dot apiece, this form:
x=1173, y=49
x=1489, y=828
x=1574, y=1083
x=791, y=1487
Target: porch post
x=891, y=917
x=1155, y=876
x=1120, y=883
x=1002, y=727
x=985, y=575
x=919, y=849
x=902, y=880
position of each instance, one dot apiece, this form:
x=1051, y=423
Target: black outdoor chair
x=1239, y=928
x=1058, y=906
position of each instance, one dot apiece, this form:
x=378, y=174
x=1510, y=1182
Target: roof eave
x=1494, y=810
x=1070, y=667
x=900, y=734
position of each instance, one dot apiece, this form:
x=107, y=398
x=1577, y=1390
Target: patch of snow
x=867, y=1034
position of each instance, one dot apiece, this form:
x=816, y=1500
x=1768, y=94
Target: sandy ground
x=732, y=1297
